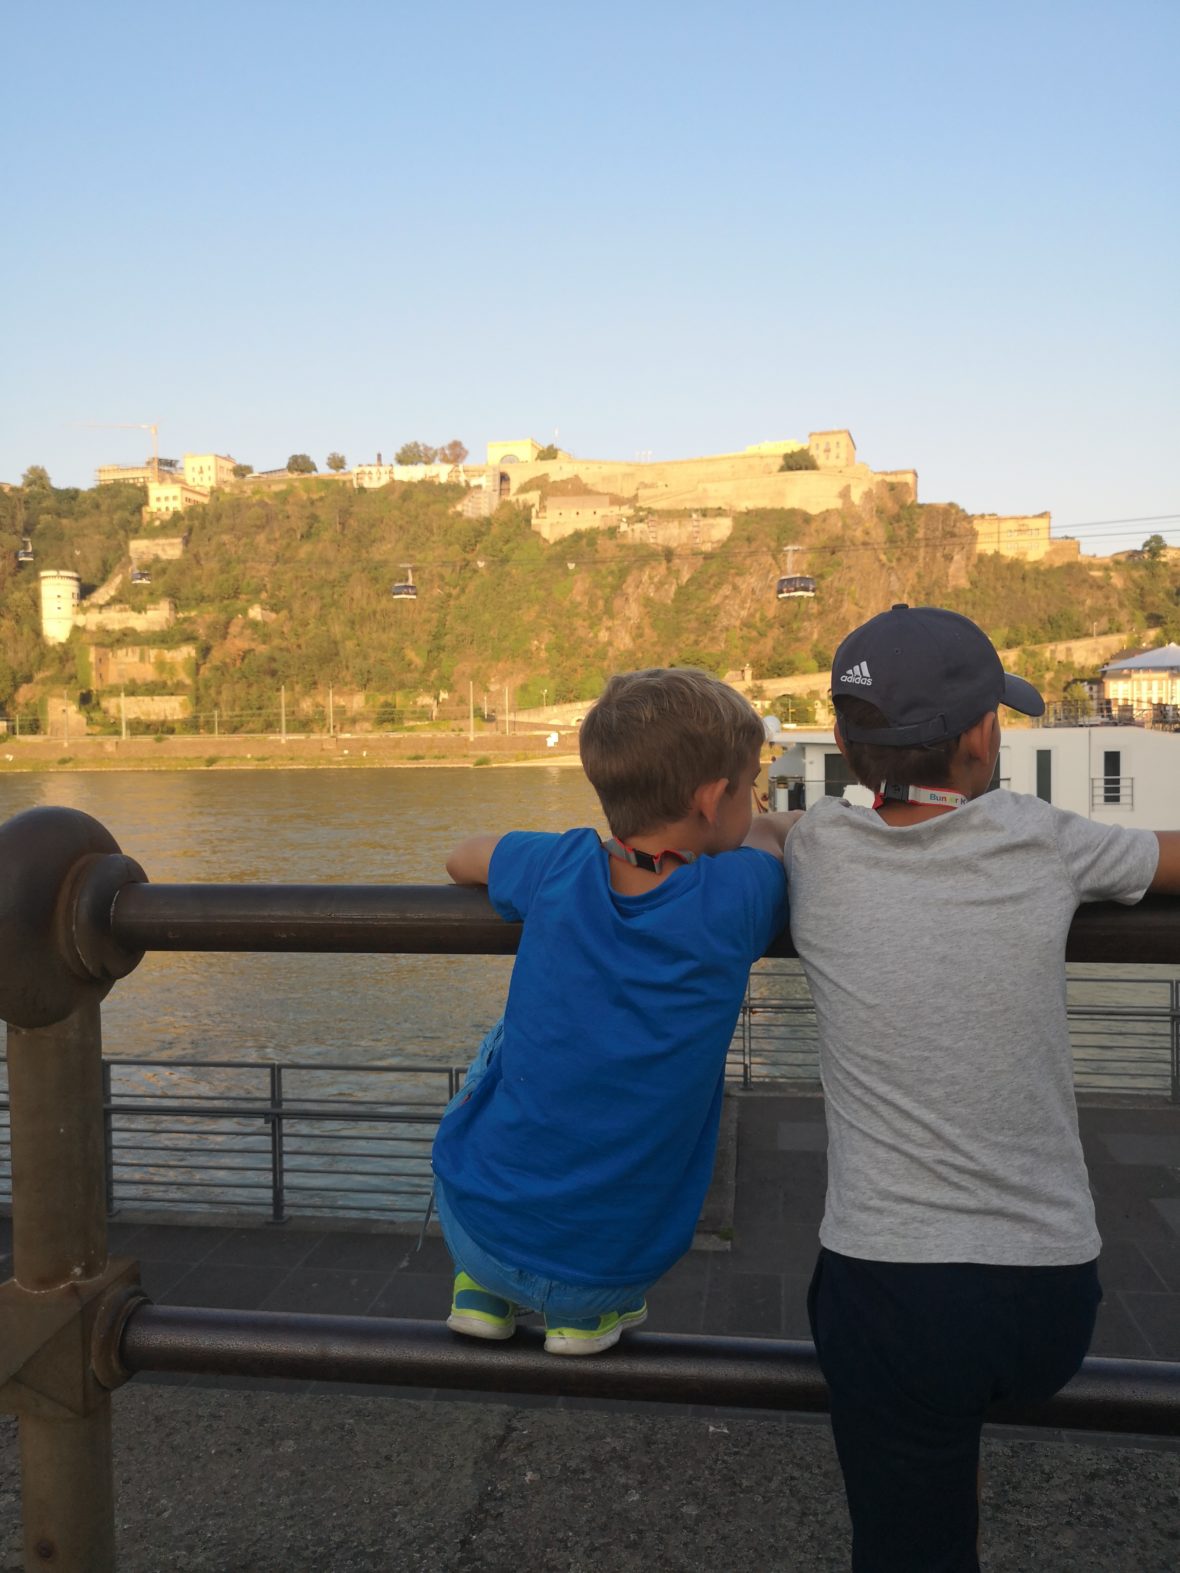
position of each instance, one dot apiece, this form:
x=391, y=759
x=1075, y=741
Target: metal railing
x=75, y=916
x=328, y=1139
x=1110, y=712
x=1112, y=791
x=1124, y=1032
x=279, y=1144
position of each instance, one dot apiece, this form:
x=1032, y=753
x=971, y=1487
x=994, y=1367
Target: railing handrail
x=449, y=919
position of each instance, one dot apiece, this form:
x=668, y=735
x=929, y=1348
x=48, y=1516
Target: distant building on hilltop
x=208, y=469
x=1026, y=536
x=832, y=450
x=133, y=474
x=523, y=451
x=165, y=497
x=368, y=476
x=172, y=486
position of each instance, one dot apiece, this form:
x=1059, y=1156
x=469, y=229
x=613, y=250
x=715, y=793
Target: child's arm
x=768, y=833
x=1167, y=875
x=468, y=864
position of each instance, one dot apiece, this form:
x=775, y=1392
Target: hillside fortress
x=753, y=478
x=653, y=497
x=569, y=494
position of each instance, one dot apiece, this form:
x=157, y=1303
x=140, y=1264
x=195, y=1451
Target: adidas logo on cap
x=858, y=674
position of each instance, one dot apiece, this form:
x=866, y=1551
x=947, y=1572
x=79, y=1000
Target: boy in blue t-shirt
x=572, y=1166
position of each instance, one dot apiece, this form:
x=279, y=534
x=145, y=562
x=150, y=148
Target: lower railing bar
x=401, y=1068
x=1107, y=1395
x=168, y=1108
x=165, y=1108
x=185, y=1164
x=229, y=1185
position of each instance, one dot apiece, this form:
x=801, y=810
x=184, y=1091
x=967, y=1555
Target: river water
x=292, y=826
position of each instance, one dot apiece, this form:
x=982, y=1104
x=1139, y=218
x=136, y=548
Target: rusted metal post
x=59, y=1239
x=59, y=874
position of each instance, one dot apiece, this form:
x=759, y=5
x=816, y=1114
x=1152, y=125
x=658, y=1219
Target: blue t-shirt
x=585, y=1152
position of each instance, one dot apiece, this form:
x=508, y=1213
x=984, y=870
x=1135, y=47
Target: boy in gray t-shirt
x=958, y=1244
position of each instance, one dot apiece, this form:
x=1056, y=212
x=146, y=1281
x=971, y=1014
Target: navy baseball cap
x=930, y=672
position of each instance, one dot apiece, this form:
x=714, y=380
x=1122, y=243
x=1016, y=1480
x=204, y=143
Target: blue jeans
x=556, y=1301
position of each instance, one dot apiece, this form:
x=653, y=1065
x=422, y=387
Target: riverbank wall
x=295, y=751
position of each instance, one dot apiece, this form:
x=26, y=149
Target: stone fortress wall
x=730, y=481
x=155, y=549
x=154, y=620
x=618, y=491
x=112, y=666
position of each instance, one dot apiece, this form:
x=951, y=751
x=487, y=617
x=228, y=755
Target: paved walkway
x=302, y=1476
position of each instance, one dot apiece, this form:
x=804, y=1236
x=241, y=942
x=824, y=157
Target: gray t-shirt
x=935, y=955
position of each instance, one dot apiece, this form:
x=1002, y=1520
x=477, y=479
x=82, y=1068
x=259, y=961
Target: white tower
x=60, y=590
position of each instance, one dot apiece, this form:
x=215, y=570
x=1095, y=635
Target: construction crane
x=135, y=426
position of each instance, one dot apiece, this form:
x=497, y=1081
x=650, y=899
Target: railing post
x=58, y=1241
x=1176, y=1040
x=278, y=1209
x=60, y=872
x=747, y=1040
x=108, y=1139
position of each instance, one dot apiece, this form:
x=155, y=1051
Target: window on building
x=1045, y=774
x=1112, y=771
x=837, y=775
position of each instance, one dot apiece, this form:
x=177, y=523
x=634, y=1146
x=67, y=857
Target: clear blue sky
x=275, y=226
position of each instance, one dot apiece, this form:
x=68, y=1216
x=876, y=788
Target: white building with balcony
x=1142, y=681
x=1117, y=775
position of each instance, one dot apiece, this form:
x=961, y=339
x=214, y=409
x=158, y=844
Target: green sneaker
x=590, y=1336
x=479, y=1314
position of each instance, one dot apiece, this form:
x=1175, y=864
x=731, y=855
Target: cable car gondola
x=795, y=586
x=405, y=589
x=25, y=555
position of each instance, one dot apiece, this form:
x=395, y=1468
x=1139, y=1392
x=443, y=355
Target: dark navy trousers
x=914, y=1353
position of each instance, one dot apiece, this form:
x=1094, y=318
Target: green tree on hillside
x=301, y=464
x=415, y=453
x=36, y=478
x=335, y=461
x=1154, y=547
x=798, y=459
x=242, y=470
x=452, y=452
x=549, y=451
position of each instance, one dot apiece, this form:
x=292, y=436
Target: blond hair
x=653, y=737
